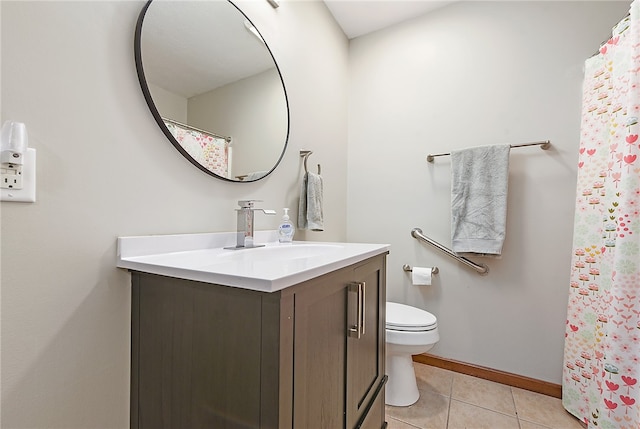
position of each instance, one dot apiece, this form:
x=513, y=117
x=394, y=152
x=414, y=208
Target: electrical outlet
x=18, y=183
x=11, y=176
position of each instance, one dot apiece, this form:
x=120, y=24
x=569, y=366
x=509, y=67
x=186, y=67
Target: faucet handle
x=247, y=204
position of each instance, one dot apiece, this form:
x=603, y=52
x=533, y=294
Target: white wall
x=476, y=73
x=106, y=170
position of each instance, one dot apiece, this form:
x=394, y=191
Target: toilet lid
x=402, y=317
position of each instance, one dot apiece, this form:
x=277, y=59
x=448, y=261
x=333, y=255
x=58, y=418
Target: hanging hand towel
x=310, y=208
x=479, y=183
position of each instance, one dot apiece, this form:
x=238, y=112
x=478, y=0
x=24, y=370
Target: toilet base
x=401, y=389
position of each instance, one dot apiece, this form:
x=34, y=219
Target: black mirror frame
x=154, y=110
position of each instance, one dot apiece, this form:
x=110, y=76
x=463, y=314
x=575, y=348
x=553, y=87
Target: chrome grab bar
x=480, y=268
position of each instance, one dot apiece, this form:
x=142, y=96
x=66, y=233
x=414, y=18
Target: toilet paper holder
x=408, y=268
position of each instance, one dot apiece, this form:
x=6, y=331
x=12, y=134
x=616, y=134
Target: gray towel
x=255, y=175
x=479, y=182
x=310, y=208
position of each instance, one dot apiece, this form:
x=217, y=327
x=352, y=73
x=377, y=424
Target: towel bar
x=482, y=269
x=544, y=145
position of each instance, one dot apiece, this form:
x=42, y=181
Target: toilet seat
x=402, y=317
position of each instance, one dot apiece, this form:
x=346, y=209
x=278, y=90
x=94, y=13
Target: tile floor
x=450, y=400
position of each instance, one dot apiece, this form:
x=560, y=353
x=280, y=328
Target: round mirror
x=213, y=86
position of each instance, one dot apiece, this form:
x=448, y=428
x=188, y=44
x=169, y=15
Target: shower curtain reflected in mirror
x=601, y=378
x=210, y=151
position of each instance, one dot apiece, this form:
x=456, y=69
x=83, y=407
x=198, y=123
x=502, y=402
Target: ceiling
x=360, y=17
x=237, y=53
x=175, y=34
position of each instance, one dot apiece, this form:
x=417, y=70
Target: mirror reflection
x=213, y=86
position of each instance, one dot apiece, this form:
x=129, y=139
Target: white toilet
x=410, y=331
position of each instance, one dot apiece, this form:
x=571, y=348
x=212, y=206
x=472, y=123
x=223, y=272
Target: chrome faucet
x=244, y=235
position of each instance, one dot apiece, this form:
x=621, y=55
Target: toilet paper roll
x=421, y=276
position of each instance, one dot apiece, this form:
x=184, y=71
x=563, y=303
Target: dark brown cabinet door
x=339, y=349
x=366, y=352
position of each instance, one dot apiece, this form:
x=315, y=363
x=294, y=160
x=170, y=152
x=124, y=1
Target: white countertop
x=275, y=266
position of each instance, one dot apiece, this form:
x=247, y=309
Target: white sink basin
x=275, y=266
x=281, y=252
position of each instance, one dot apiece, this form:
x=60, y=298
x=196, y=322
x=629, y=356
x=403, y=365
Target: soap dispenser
x=286, y=229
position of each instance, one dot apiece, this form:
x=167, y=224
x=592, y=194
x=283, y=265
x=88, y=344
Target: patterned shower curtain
x=601, y=380
x=210, y=151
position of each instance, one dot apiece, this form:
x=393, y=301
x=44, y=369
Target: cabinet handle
x=357, y=330
x=363, y=307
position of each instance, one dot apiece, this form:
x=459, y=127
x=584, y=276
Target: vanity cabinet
x=309, y=356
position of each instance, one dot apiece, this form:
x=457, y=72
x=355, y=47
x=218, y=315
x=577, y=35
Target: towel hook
x=305, y=154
